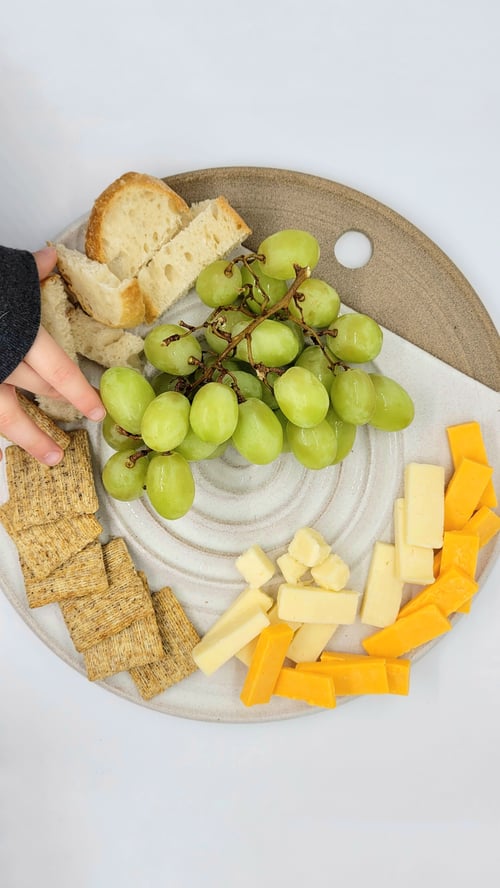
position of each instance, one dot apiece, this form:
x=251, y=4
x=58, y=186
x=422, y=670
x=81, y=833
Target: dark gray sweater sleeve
x=19, y=307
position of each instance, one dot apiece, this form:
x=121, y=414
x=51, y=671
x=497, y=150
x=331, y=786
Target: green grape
x=264, y=294
x=248, y=384
x=357, y=339
x=115, y=439
x=320, y=305
x=285, y=249
x=176, y=357
x=272, y=343
x=302, y=397
x=194, y=449
x=164, y=382
x=314, y=359
x=394, y=409
x=219, y=283
x=285, y=447
x=258, y=436
x=170, y=485
x=126, y=394
x=268, y=392
x=219, y=450
x=314, y=448
x=353, y=396
x=124, y=478
x=297, y=332
x=345, y=433
x=214, y=413
x=166, y=421
x=224, y=322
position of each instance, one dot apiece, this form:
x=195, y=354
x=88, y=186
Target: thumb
x=45, y=260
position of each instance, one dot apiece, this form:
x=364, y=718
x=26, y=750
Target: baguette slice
x=130, y=220
x=55, y=314
x=214, y=230
x=107, y=346
x=100, y=293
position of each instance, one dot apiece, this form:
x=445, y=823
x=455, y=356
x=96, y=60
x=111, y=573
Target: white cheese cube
x=383, y=591
x=309, y=641
x=414, y=564
x=424, y=505
x=248, y=600
x=291, y=569
x=332, y=573
x=217, y=648
x=309, y=547
x=247, y=652
x=310, y=604
x=255, y=567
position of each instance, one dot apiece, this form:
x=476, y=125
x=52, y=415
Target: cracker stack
x=107, y=606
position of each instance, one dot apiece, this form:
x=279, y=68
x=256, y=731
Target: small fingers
x=45, y=261
x=50, y=362
x=20, y=429
x=24, y=377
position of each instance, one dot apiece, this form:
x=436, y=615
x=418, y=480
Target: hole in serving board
x=353, y=249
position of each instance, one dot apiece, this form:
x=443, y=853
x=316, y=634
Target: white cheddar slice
x=255, y=566
x=414, y=564
x=308, y=547
x=291, y=569
x=247, y=652
x=309, y=641
x=383, y=590
x=248, y=600
x=332, y=573
x=424, y=504
x=217, y=648
x=311, y=604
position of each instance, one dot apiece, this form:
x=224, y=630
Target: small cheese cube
x=332, y=573
x=255, y=567
x=414, y=564
x=309, y=547
x=249, y=599
x=383, y=590
x=424, y=504
x=217, y=648
x=291, y=569
x=310, y=604
x=309, y=641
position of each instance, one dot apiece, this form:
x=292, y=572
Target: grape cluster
x=268, y=371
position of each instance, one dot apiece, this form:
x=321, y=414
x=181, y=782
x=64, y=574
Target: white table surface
x=399, y=100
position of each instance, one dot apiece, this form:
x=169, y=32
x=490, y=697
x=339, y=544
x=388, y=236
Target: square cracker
x=179, y=637
x=40, y=493
x=139, y=643
x=44, y=422
x=45, y=547
x=84, y=572
x=94, y=617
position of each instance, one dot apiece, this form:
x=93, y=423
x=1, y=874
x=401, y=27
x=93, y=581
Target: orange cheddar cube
x=266, y=663
x=460, y=550
x=363, y=675
x=485, y=523
x=407, y=633
x=311, y=687
x=466, y=442
x=463, y=492
x=450, y=591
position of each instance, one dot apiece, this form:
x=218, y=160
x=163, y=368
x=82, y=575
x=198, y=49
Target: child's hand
x=45, y=370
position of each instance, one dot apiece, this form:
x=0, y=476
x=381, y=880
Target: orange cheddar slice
x=269, y=655
x=363, y=675
x=463, y=492
x=398, y=675
x=407, y=633
x=311, y=687
x=466, y=442
x=485, y=523
x=450, y=591
x=460, y=549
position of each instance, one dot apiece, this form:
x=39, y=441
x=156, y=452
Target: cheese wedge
x=246, y=653
x=413, y=564
x=309, y=641
x=383, y=590
x=464, y=492
x=267, y=660
x=407, y=633
x=424, y=505
x=248, y=600
x=218, y=647
x=466, y=441
x=451, y=590
x=310, y=604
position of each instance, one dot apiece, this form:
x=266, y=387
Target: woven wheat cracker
x=136, y=645
x=45, y=547
x=75, y=578
x=179, y=637
x=44, y=422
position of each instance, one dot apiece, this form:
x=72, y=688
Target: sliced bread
x=100, y=293
x=55, y=314
x=214, y=230
x=107, y=346
x=130, y=220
